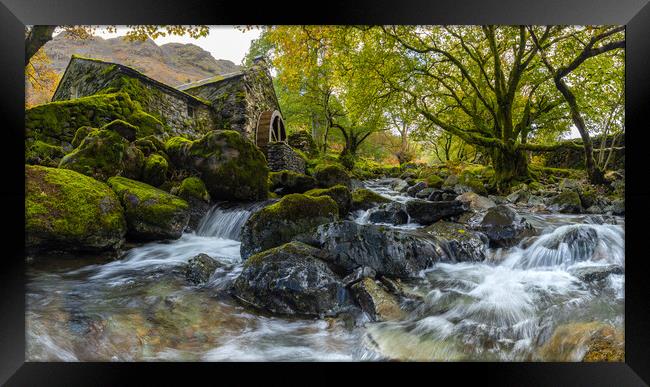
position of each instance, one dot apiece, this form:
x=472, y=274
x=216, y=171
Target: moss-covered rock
x=41, y=153
x=102, y=154
x=150, y=213
x=278, y=223
x=192, y=187
x=329, y=175
x=376, y=301
x=65, y=210
x=364, y=199
x=434, y=181
x=57, y=122
x=339, y=193
x=155, y=170
x=566, y=202
x=288, y=182
x=80, y=134
x=473, y=183
x=123, y=128
x=231, y=167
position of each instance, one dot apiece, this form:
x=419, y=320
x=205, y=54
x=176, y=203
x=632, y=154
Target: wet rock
x=442, y=195
x=476, y=201
x=392, y=213
x=596, y=273
x=616, y=208
x=278, y=223
x=567, y=202
x=151, y=214
x=400, y=185
x=377, y=302
x=504, y=227
x=583, y=341
x=364, y=199
x=193, y=191
x=390, y=252
x=291, y=280
x=425, y=193
x=359, y=274
x=339, y=193
x=287, y=182
x=412, y=191
x=425, y=212
x=462, y=244
x=520, y=196
x=199, y=269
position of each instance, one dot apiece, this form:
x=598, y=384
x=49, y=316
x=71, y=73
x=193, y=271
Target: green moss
x=57, y=122
x=144, y=203
x=339, y=193
x=329, y=175
x=65, y=208
x=364, y=198
x=295, y=206
x=290, y=182
x=123, y=128
x=80, y=134
x=155, y=170
x=100, y=155
x=177, y=148
x=193, y=187
x=434, y=181
x=43, y=154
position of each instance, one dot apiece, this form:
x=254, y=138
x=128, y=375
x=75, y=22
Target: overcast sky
x=223, y=42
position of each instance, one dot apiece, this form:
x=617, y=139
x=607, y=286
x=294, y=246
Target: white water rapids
x=506, y=308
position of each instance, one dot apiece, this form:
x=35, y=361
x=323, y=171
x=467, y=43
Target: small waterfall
x=570, y=244
x=227, y=220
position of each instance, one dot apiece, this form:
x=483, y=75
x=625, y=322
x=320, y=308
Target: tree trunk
x=36, y=38
x=510, y=165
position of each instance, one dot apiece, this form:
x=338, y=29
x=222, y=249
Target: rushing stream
x=505, y=308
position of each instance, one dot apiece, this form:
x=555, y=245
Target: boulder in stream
x=392, y=213
x=151, y=213
x=65, y=210
x=288, y=182
x=292, y=280
x=504, y=227
x=390, y=252
x=339, y=193
x=364, y=199
x=596, y=273
x=280, y=222
x=463, y=244
x=199, y=269
x=425, y=212
x=376, y=301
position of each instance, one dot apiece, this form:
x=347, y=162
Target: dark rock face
x=596, y=273
x=462, y=244
x=389, y=252
x=200, y=268
x=442, y=195
x=392, y=213
x=376, y=301
x=412, y=191
x=358, y=274
x=292, y=280
x=425, y=193
x=426, y=212
x=504, y=227
x=288, y=182
x=280, y=222
x=581, y=243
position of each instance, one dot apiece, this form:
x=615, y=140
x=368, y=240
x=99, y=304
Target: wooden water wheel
x=270, y=128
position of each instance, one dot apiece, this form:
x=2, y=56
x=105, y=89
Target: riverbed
x=506, y=308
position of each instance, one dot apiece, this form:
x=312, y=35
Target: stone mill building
x=244, y=101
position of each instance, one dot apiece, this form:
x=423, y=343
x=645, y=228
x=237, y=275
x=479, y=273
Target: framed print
x=374, y=186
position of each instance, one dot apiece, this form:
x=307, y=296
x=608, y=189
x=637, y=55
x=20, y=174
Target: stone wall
x=280, y=156
x=179, y=112
x=239, y=100
x=575, y=158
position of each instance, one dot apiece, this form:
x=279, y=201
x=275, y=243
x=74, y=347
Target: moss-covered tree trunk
x=510, y=165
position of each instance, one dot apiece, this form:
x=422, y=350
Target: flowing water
x=506, y=308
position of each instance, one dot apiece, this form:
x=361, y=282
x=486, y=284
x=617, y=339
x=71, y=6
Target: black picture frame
x=15, y=14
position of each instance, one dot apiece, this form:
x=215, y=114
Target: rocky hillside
x=171, y=63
